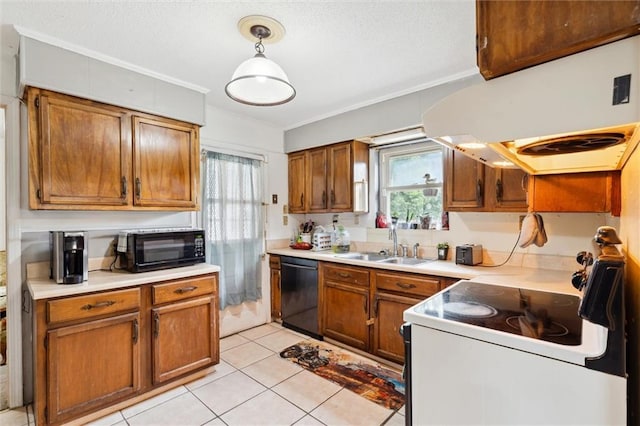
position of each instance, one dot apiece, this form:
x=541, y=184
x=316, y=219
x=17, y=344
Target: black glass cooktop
x=535, y=314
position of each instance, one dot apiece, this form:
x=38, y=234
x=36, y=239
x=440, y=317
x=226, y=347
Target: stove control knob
x=584, y=258
x=579, y=279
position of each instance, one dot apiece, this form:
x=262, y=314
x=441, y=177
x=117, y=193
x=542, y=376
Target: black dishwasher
x=299, y=292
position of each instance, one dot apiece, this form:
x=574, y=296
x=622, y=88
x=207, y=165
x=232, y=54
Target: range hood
x=558, y=117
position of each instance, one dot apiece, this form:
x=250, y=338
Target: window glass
x=411, y=187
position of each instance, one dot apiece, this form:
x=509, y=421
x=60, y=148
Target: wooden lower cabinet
x=387, y=341
x=184, y=337
x=92, y=364
x=95, y=350
x=276, y=292
x=346, y=312
x=394, y=293
x=344, y=304
x=363, y=307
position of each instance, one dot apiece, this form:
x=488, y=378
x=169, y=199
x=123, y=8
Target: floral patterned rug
x=372, y=381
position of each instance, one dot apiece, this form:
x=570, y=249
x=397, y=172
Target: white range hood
x=511, y=118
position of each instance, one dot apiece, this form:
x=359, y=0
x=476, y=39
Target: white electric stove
x=485, y=354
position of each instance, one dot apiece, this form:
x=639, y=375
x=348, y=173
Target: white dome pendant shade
x=260, y=81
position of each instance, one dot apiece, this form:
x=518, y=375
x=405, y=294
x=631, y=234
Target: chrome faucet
x=394, y=235
x=415, y=250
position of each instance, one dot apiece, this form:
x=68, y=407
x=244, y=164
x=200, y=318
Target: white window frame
x=386, y=153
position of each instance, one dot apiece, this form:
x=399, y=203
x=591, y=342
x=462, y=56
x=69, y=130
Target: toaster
x=469, y=254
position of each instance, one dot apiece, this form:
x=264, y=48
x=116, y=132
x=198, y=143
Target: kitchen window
x=411, y=177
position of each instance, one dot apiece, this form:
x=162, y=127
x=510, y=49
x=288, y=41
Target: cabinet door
x=464, y=182
x=345, y=314
x=92, y=365
x=79, y=153
x=276, y=297
x=340, y=184
x=166, y=163
x=317, y=189
x=554, y=29
x=388, y=310
x=297, y=182
x=185, y=336
x=593, y=192
x=510, y=190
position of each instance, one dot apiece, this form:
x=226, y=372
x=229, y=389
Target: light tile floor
x=252, y=385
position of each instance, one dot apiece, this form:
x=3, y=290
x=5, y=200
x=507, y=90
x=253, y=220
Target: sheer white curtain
x=233, y=219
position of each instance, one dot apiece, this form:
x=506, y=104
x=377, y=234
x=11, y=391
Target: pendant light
x=259, y=81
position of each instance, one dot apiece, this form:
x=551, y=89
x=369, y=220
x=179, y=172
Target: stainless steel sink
x=405, y=260
x=370, y=256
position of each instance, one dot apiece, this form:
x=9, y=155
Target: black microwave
x=150, y=250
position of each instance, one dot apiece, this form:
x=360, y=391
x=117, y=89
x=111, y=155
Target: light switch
x=274, y=198
x=285, y=209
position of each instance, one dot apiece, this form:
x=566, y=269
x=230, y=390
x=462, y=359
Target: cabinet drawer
x=93, y=305
x=274, y=262
x=183, y=289
x=417, y=285
x=346, y=274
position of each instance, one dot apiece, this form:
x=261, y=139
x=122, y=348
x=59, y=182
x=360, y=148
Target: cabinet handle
x=123, y=190
x=405, y=285
x=156, y=325
x=183, y=290
x=104, y=304
x=499, y=190
x=524, y=183
x=302, y=200
x=135, y=331
x=375, y=306
x=333, y=197
x=366, y=305
x=324, y=198
x=344, y=275
x=138, y=187
x=479, y=192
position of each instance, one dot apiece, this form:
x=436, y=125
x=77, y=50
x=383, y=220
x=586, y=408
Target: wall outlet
x=274, y=198
x=285, y=220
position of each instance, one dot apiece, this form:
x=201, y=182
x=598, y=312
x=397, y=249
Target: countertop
x=45, y=288
x=558, y=281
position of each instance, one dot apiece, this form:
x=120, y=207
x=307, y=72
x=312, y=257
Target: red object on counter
x=301, y=246
x=381, y=220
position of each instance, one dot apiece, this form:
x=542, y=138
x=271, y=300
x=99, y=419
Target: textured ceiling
x=338, y=55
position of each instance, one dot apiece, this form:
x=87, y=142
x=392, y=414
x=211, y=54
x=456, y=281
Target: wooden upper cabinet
x=513, y=35
x=297, y=182
x=166, y=163
x=472, y=186
x=340, y=183
x=464, y=182
x=85, y=155
x=79, y=152
x=598, y=192
x=322, y=179
x=509, y=188
x=317, y=176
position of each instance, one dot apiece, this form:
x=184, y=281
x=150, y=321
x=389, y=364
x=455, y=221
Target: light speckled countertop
x=557, y=281
x=45, y=288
